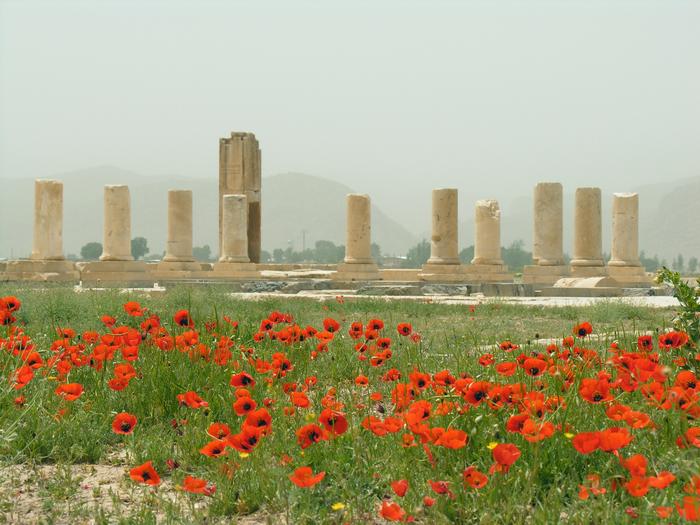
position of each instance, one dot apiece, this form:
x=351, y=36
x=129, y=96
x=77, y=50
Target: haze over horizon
x=392, y=98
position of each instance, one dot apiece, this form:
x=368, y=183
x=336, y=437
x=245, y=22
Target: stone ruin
x=240, y=242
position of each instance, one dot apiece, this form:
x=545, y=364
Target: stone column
x=548, y=248
x=48, y=220
x=625, y=234
x=235, y=230
x=624, y=265
x=117, y=224
x=179, y=244
x=548, y=245
x=487, y=243
x=358, y=263
x=444, y=245
x=358, y=227
x=588, y=234
x=240, y=174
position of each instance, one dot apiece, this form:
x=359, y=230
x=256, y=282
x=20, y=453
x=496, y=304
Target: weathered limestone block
x=624, y=264
x=178, y=262
x=588, y=235
x=548, y=228
x=358, y=264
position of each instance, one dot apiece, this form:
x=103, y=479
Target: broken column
x=234, y=261
x=178, y=261
x=240, y=174
x=548, y=229
x=116, y=265
x=487, y=265
x=47, y=262
x=624, y=265
x=588, y=235
x=358, y=263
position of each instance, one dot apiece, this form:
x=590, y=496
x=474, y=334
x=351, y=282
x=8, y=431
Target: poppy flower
x=473, y=478
x=214, y=448
x=534, y=367
x=636, y=465
x=123, y=423
x=637, y=486
x=595, y=390
x=304, y=477
x=477, y=392
x=614, y=438
x=453, y=439
x=310, y=434
x=505, y=455
x=218, y=430
x=391, y=511
x=583, y=329
x=673, y=339
x=10, y=303
x=70, y=391
x=133, y=309
x=242, y=379
x=586, y=442
x=507, y=368
x=182, y=318
x=645, y=343
x=244, y=405
x=246, y=440
x=192, y=400
x=400, y=487
x=259, y=419
x=404, y=329
x=331, y=325
x=145, y=474
x=299, y=399
x=198, y=486
x=441, y=487
x=333, y=421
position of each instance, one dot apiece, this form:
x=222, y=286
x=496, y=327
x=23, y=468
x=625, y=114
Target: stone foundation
x=110, y=274
x=544, y=275
x=40, y=271
x=233, y=271
x=630, y=276
x=357, y=272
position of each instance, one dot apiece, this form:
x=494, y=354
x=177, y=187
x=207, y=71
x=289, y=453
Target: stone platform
x=544, y=275
x=39, y=271
x=115, y=273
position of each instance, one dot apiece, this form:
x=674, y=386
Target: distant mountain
x=297, y=209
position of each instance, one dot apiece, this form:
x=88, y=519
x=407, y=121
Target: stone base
x=588, y=271
x=40, y=271
x=584, y=287
x=488, y=273
x=630, y=276
x=409, y=275
x=443, y=273
x=233, y=271
x=357, y=272
x=173, y=271
x=113, y=274
x=544, y=275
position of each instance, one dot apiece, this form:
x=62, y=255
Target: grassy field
x=436, y=412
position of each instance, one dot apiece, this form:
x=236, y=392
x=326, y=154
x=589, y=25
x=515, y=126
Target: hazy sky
x=389, y=97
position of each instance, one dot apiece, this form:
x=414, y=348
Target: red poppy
x=145, y=474
x=614, y=438
x=333, y=421
x=70, y=391
x=645, y=343
x=133, y=309
x=198, y=486
x=123, y=423
x=583, y=329
x=391, y=511
x=534, y=366
x=505, y=455
x=310, y=434
x=304, y=477
x=182, y=318
x=259, y=419
x=214, y=448
x=218, y=430
x=507, y=368
x=595, y=390
x=586, y=442
x=242, y=379
x=246, y=440
x=453, y=439
x=244, y=405
x=474, y=478
x=404, y=329
x=10, y=303
x=331, y=325
x=192, y=400
x=400, y=487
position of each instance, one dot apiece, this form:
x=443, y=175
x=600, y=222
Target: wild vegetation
x=194, y=407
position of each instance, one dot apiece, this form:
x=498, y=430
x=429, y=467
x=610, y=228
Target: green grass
x=542, y=486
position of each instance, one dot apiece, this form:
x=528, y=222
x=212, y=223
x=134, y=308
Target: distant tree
x=418, y=255
x=376, y=251
x=139, y=247
x=202, y=253
x=678, y=263
x=467, y=254
x=278, y=255
x=515, y=256
x=91, y=251
x=265, y=256
x=327, y=252
x=693, y=265
x=649, y=264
